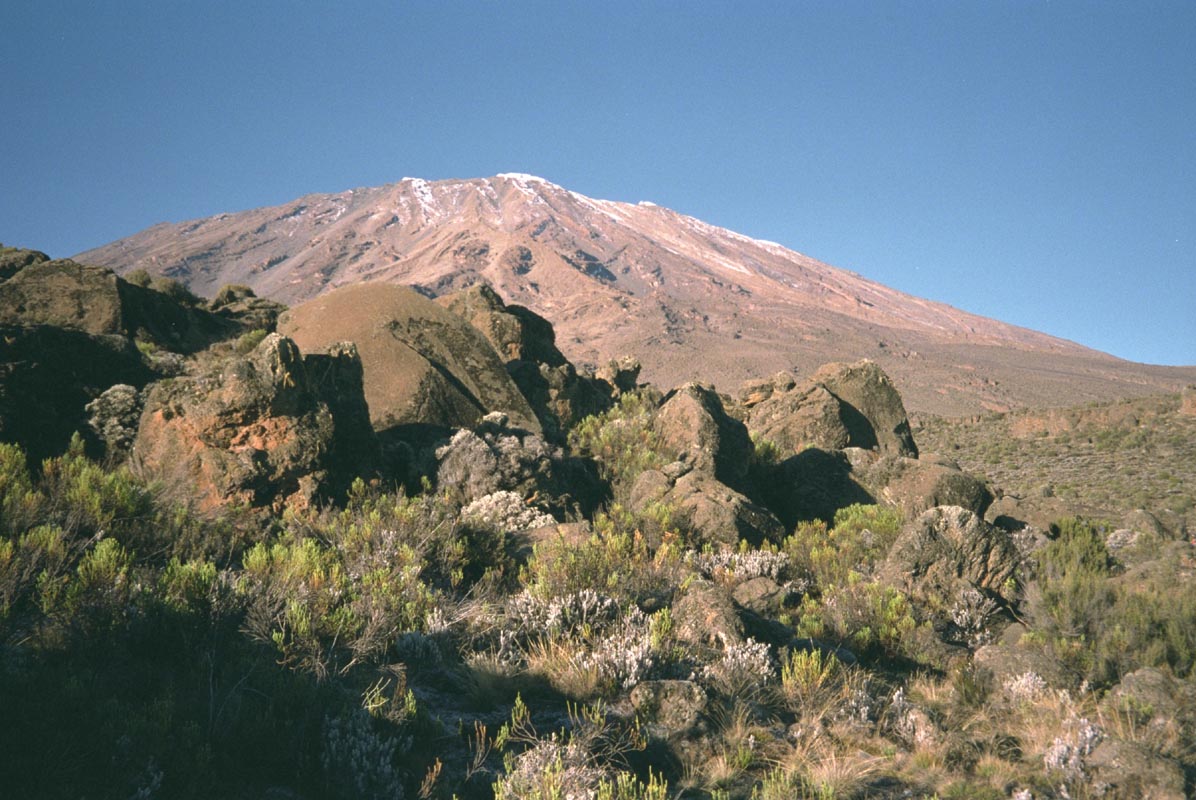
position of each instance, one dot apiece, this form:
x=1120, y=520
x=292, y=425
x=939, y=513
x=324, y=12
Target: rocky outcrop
x=49, y=374
x=496, y=457
x=917, y=485
x=712, y=512
x=705, y=617
x=423, y=365
x=94, y=300
x=841, y=405
x=252, y=431
x=692, y=423
x=813, y=484
x=949, y=549
x=238, y=302
x=525, y=341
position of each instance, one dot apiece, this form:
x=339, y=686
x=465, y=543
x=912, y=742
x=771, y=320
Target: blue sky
x=1029, y=161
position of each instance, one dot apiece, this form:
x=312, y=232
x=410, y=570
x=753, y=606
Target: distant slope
x=691, y=300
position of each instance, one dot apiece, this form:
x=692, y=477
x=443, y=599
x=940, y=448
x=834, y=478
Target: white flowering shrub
x=741, y=565
x=741, y=668
x=626, y=654
x=506, y=511
x=971, y=616
x=358, y=762
x=1067, y=753
x=585, y=609
x=1027, y=686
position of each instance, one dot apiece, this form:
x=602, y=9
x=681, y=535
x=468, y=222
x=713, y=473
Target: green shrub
x=622, y=440
x=1072, y=595
x=248, y=341
x=862, y=534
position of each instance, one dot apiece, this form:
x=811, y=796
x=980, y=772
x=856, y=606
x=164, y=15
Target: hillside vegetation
x=1102, y=460
x=236, y=578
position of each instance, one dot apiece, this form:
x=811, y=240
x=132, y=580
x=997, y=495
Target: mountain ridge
x=690, y=299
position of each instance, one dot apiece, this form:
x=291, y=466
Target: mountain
x=689, y=299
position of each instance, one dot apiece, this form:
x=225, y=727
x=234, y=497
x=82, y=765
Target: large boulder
x=949, y=549
x=526, y=342
x=515, y=332
x=237, y=302
x=692, y=423
x=712, y=512
x=253, y=431
x=841, y=405
x=94, y=300
x=813, y=484
x=423, y=365
x=917, y=485
x=496, y=457
x=799, y=418
x=876, y=416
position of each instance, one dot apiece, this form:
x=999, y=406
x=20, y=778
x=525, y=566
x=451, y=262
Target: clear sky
x=1029, y=161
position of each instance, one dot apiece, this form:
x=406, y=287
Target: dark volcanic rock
x=114, y=417
x=423, y=365
x=556, y=392
x=496, y=457
x=876, y=416
x=917, y=485
x=693, y=423
x=947, y=549
x=712, y=511
x=841, y=405
x=48, y=375
x=94, y=300
x=813, y=484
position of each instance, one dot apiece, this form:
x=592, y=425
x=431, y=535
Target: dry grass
x=1081, y=453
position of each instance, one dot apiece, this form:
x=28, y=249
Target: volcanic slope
x=689, y=299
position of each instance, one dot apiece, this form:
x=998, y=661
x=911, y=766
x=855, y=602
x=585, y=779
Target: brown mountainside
x=691, y=300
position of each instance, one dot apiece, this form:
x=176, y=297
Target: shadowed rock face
x=48, y=375
x=693, y=423
x=525, y=341
x=422, y=364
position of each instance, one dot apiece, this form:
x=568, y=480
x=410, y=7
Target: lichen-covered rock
x=94, y=300
x=515, y=332
x=670, y=708
x=496, y=457
x=239, y=303
x=876, y=416
x=619, y=375
x=947, y=549
x=711, y=511
x=841, y=405
x=797, y=419
x=1129, y=769
x=253, y=431
x=114, y=417
x=66, y=295
x=705, y=617
x=917, y=485
x=693, y=423
x=423, y=365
